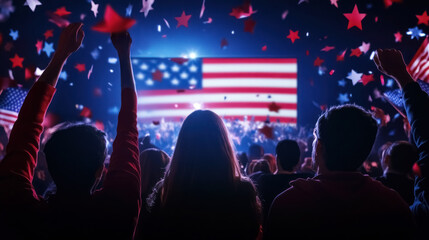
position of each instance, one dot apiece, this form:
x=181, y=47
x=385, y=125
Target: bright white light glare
x=192, y=55
x=112, y=60
x=372, y=55
x=111, y=70
x=159, y=28
x=197, y=106
x=232, y=32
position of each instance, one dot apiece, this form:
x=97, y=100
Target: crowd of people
x=207, y=178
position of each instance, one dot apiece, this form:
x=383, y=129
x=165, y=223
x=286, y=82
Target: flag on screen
x=11, y=100
x=419, y=65
x=234, y=88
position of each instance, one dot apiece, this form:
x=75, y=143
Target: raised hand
x=391, y=63
x=122, y=42
x=70, y=40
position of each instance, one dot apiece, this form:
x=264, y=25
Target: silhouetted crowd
x=189, y=182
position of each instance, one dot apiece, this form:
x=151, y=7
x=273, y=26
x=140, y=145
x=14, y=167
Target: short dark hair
x=74, y=153
x=402, y=155
x=256, y=151
x=348, y=133
x=288, y=154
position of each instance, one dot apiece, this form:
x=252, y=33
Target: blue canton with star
x=174, y=76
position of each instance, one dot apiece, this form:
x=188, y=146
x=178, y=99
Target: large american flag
x=235, y=88
x=419, y=65
x=11, y=100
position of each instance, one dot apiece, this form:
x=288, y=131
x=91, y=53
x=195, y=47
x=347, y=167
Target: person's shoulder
x=300, y=189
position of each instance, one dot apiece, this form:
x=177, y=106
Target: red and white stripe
x=233, y=88
x=7, y=118
x=419, y=65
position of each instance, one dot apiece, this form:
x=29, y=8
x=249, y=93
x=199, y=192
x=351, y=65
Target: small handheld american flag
x=11, y=100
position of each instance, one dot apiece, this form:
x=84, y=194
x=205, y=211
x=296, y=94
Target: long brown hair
x=203, y=161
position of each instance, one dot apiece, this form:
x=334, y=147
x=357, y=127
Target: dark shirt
x=108, y=213
x=416, y=104
x=400, y=183
x=340, y=205
x=271, y=185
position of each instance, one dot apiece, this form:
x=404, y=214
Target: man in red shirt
x=75, y=154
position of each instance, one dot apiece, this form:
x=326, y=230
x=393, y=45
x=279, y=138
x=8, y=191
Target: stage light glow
x=197, y=106
x=192, y=55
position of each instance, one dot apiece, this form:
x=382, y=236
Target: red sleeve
x=17, y=168
x=121, y=187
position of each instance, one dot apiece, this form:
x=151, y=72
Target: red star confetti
x=29, y=73
x=355, y=18
x=367, y=78
x=223, y=43
x=318, y=62
x=249, y=25
x=99, y=125
x=398, y=37
x=388, y=3
x=334, y=2
x=80, y=67
x=86, y=112
x=157, y=75
x=273, y=107
x=423, y=19
x=382, y=80
x=62, y=12
x=327, y=48
x=267, y=131
x=356, y=52
x=16, y=61
x=293, y=35
x=49, y=33
x=113, y=23
x=183, y=20
x=242, y=11
x=264, y=48
x=179, y=60
x=39, y=46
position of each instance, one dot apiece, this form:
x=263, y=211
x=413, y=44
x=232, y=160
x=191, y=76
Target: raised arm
x=416, y=102
x=122, y=183
x=16, y=169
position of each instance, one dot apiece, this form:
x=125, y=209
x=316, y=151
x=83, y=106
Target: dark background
x=325, y=24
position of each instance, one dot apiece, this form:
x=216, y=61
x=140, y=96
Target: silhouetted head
x=75, y=154
x=255, y=152
x=152, y=163
x=146, y=140
x=400, y=157
x=288, y=154
x=203, y=158
x=344, y=136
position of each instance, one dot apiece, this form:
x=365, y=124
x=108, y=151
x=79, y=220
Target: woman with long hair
x=203, y=194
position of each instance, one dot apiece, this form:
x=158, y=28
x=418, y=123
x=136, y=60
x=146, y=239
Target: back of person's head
x=75, y=154
x=401, y=156
x=203, y=157
x=288, y=154
x=153, y=162
x=271, y=161
x=347, y=133
x=255, y=152
x=146, y=140
x=261, y=165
